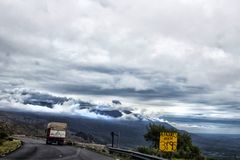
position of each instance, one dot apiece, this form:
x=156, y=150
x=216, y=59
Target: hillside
x=17, y=123
x=98, y=131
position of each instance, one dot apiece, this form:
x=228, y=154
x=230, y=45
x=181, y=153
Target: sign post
x=168, y=142
x=114, y=134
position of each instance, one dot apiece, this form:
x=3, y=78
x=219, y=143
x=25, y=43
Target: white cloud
x=190, y=117
x=183, y=50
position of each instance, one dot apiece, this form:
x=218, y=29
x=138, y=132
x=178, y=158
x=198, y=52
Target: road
x=36, y=149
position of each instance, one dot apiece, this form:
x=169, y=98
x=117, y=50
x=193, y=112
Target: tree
x=184, y=141
x=153, y=132
x=185, y=148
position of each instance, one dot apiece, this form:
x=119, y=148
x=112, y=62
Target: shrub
x=3, y=135
x=10, y=139
x=9, y=146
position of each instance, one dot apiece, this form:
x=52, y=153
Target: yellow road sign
x=168, y=141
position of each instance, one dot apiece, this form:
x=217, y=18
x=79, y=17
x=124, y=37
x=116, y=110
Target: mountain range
x=28, y=112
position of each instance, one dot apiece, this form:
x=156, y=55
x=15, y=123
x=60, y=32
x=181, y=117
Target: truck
x=56, y=133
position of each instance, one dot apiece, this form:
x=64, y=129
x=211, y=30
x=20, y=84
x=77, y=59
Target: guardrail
x=134, y=154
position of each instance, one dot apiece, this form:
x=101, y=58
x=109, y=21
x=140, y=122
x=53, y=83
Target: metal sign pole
x=118, y=138
x=112, y=134
x=171, y=156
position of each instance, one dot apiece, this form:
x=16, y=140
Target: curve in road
x=34, y=149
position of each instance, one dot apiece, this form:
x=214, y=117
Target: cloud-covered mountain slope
x=33, y=101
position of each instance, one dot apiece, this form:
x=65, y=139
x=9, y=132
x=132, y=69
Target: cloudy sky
x=176, y=58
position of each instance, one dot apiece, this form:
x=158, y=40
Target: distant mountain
x=29, y=108
x=131, y=132
x=29, y=100
x=28, y=112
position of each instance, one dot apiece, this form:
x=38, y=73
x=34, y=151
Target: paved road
x=34, y=149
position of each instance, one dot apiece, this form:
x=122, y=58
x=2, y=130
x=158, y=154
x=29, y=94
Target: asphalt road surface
x=35, y=149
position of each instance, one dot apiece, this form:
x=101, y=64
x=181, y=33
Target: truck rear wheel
x=48, y=142
x=60, y=142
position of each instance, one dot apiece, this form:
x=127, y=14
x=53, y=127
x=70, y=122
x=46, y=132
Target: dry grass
x=9, y=146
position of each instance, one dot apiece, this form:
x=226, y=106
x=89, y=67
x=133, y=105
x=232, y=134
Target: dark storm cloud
x=113, y=70
x=161, y=92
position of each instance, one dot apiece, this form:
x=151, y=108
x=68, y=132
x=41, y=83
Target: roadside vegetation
x=185, y=148
x=7, y=144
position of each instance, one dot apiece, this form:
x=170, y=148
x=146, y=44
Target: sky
x=172, y=58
